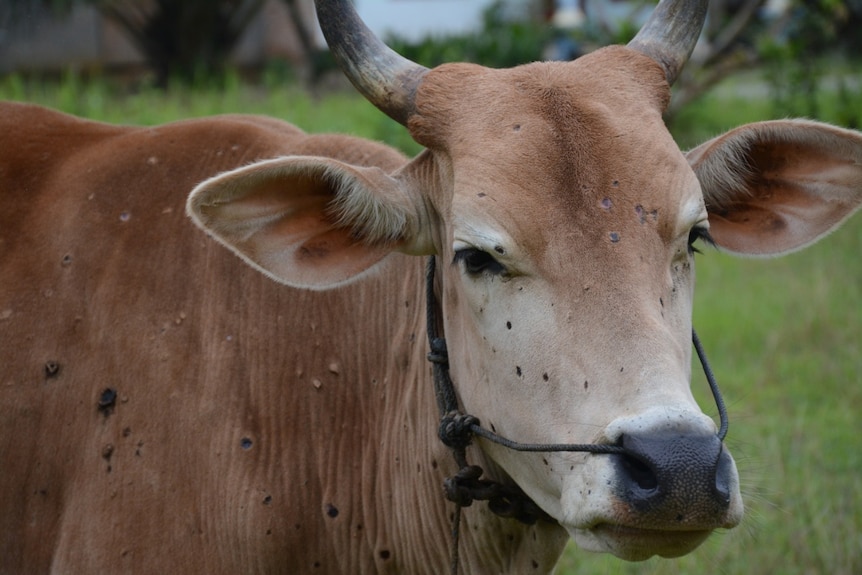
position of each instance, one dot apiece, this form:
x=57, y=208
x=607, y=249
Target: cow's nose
x=682, y=475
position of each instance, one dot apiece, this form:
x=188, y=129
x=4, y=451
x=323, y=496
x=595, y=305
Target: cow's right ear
x=305, y=221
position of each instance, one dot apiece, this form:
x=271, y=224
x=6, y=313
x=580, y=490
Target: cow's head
x=564, y=216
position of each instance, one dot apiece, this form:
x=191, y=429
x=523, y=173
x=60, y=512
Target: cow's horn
x=671, y=32
x=385, y=78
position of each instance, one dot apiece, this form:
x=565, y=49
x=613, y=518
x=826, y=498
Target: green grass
x=340, y=111
x=784, y=337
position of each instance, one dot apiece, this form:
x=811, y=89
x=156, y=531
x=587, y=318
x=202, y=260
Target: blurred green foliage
x=820, y=48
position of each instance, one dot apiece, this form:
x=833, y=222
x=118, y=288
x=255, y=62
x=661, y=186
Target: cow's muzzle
x=674, y=479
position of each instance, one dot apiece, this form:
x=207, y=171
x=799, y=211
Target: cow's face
x=565, y=215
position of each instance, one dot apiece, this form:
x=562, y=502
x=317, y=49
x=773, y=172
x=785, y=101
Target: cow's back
x=163, y=405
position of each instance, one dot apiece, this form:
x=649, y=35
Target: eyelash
x=702, y=234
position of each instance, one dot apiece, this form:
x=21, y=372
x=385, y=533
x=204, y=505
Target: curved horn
x=385, y=78
x=671, y=32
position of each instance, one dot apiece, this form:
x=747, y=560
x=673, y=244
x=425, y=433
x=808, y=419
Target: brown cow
x=166, y=408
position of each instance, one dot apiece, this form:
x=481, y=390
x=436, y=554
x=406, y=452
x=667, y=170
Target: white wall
x=415, y=19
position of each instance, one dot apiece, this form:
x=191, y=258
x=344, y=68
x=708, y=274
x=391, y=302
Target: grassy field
x=784, y=337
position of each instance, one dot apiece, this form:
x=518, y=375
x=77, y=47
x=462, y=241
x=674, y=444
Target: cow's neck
x=404, y=464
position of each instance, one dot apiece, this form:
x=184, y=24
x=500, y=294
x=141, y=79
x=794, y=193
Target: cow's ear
x=305, y=221
x=775, y=187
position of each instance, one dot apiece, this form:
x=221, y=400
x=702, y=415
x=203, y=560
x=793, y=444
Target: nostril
x=723, y=477
x=640, y=473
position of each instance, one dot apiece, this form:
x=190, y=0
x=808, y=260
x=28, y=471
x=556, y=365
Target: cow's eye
x=699, y=233
x=478, y=261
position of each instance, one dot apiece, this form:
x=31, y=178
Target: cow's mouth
x=637, y=544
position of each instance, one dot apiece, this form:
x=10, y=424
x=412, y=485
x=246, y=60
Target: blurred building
x=85, y=40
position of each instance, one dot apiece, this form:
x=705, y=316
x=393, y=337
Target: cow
x=165, y=407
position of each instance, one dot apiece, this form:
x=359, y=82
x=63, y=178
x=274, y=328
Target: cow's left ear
x=774, y=187
x=306, y=221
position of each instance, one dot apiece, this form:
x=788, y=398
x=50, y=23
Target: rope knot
x=467, y=486
x=438, y=354
x=460, y=488
x=455, y=429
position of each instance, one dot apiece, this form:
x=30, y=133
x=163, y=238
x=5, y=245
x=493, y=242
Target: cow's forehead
x=457, y=103
x=547, y=149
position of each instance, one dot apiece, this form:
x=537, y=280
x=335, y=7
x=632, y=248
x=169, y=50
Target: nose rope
x=456, y=430
x=713, y=386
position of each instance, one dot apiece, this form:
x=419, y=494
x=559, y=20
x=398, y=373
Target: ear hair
x=725, y=170
x=379, y=217
x=727, y=165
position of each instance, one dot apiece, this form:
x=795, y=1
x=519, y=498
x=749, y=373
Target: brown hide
x=230, y=447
